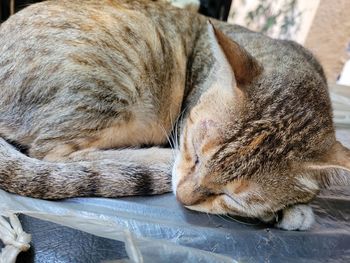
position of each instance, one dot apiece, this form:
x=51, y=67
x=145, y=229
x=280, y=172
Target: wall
x=329, y=36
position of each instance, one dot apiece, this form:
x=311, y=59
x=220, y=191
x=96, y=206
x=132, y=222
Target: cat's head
x=258, y=140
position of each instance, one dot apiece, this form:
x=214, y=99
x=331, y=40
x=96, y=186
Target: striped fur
x=107, y=174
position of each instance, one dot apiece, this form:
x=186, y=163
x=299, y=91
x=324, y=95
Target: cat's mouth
x=234, y=200
x=219, y=204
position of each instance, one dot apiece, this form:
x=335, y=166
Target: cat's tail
x=105, y=173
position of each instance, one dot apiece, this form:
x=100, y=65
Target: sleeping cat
x=80, y=80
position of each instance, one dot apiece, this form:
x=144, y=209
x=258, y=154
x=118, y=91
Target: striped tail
x=112, y=173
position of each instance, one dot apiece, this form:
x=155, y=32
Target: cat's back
x=99, y=38
x=100, y=58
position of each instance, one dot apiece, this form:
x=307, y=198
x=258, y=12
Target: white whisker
x=241, y=222
x=172, y=147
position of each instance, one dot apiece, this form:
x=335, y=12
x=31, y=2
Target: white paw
x=298, y=217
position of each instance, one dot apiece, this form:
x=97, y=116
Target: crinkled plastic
x=158, y=229
x=143, y=228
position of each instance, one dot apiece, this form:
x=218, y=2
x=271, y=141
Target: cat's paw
x=298, y=217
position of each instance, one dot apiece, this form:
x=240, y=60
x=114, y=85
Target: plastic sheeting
x=158, y=229
x=15, y=239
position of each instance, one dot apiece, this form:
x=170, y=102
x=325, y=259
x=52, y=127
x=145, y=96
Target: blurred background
x=320, y=25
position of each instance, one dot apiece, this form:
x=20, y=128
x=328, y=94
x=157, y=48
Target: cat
x=82, y=83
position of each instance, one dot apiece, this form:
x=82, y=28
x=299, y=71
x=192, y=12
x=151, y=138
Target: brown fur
x=253, y=114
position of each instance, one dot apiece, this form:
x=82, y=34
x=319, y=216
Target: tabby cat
x=79, y=80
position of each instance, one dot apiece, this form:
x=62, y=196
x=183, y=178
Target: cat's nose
x=187, y=199
x=188, y=194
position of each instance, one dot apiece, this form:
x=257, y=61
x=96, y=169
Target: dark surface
x=19, y=4
x=55, y=243
x=161, y=217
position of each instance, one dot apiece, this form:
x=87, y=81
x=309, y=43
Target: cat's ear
x=244, y=66
x=337, y=157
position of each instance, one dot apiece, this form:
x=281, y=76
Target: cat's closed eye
x=196, y=160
